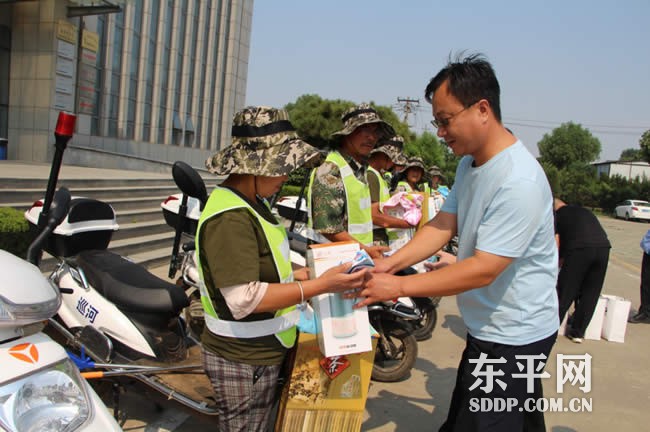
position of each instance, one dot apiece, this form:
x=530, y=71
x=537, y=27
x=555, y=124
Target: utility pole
x=407, y=106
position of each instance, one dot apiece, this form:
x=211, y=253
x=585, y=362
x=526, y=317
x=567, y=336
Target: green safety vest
x=283, y=325
x=357, y=200
x=427, y=188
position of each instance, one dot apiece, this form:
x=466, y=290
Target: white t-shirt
x=504, y=207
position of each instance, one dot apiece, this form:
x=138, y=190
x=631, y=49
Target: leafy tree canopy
x=568, y=144
x=316, y=119
x=631, y=154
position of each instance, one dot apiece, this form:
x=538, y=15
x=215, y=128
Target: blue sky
x=557, y=61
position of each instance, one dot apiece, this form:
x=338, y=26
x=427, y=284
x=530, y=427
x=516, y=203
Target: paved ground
x=620, y=376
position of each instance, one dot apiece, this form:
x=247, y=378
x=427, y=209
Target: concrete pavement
x=620, y=373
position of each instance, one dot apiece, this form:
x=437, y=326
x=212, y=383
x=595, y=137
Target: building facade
x=152, y=82
x=627, y=169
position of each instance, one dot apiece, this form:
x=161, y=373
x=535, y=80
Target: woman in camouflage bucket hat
x=360, y=115
x=249, y=291
x=412, y=175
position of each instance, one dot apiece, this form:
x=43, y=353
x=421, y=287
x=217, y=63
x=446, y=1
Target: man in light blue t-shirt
x=504, y=280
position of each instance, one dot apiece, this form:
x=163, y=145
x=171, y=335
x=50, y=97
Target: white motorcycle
x=41, y=389
x=125, y=319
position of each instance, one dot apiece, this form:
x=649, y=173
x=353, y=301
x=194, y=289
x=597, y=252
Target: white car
x=633, y=209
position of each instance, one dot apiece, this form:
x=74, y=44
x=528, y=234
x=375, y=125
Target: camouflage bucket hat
x=361, y=115
x=389, y=150
x=396, y=141
x=401, y=159
x=264, y=142
x=415, y=162
x=435, y=171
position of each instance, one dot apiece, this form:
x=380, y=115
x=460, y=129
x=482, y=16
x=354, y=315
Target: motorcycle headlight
x=52, y=399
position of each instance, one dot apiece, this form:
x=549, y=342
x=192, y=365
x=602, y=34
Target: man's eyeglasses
x=444, y=122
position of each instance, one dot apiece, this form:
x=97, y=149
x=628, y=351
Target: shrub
x=288, y=189
x=14, y=231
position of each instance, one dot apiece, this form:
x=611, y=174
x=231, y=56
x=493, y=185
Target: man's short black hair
x=471, y=79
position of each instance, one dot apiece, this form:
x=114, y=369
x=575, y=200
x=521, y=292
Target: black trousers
x=581, y=280
x=466, y=412
x=645, y=285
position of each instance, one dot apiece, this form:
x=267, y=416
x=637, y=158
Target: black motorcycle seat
x=128, y=285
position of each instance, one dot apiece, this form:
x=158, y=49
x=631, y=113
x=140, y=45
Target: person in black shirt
x=584, y=254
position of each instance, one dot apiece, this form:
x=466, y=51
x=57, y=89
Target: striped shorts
x=244, y=393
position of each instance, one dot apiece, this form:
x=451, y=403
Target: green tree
x=553, y=177
x=316, y=119
x=568, y=144
x=579, y=185
x=644, y=142
x=631, y=154
x=428, y=148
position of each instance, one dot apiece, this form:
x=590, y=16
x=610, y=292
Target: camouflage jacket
x=329, y=212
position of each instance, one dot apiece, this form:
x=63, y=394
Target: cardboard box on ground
x=341, y=329
x=314, y=401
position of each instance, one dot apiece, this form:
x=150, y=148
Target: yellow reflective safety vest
x=283, y=325
x=357, y=200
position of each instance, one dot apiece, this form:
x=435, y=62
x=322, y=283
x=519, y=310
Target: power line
x=523, y=122
x=590, y=129
x=583, y=124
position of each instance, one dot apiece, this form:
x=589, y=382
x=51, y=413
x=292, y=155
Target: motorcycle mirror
x=189, y=181
x=60, y=207
x=57, y=212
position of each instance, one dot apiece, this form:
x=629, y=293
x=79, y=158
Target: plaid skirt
x=244, y=393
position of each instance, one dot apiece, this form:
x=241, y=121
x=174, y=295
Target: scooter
x=41, y=389
x=120, y=319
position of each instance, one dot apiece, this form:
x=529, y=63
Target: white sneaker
x=575, y=339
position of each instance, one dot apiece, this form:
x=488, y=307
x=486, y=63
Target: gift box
x=341, y=329
x=324, y=394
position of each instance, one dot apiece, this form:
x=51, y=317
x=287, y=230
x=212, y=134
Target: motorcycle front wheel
x=397, y=350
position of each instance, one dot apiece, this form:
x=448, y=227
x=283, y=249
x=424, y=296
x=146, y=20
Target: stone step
x=139, y=215
x=137, y=230
x=135, y=245
x=28, y=183
x=120, y=204
x=100, y=193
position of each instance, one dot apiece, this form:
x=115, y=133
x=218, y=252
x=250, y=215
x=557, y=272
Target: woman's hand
x=337, y=279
